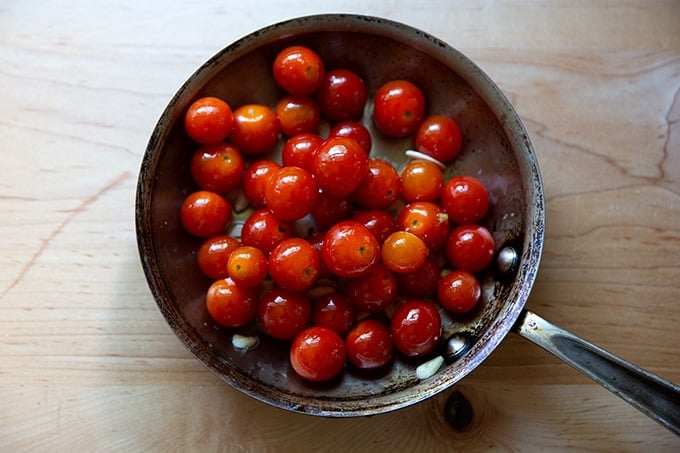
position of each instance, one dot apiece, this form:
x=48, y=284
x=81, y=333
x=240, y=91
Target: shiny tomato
x=398, y=108
x=283, y=313
x=374, y=291
x=298, y=70
x=231, y=305
x=439, y=136
x=339, y=165
x=298, y=114
x=349, y=249
x=403, y=252
x=465, y=199
x=380, y=188
x=354, y=130
x=459, y=291
x=470, y=248
x=255, y=180
x=264, y=230
x=421, y=181
x=369, y=345
x=256, y=129
x=333, y=311
x=298, y=150
x=208, y=120
x=422, y=282
x=291, y=193
x=204, y=213
x=378, y=222
x=317, y=354
x=213, y=255
x=247, y=266
x=330, y=210
x=218, y=167
x=294, y=264
x=342, y=95
x=316, y=239
x=416, y=327
x=426, y=220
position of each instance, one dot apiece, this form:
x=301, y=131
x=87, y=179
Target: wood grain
x=86, y=361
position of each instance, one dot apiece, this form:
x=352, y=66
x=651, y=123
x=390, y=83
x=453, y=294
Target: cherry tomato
x=213, y=255
x=255, y=180
x=231, y=305
x=298, y=114
x=439, y=136
x=339, y=165
x=355, y=130
x=208, y=120
x=421, y=181
x=403, y=252
x=349, y=249
x=298, y=150
x=205, y=213
x=422, y=282
x=374, y=291
x=465, y=199
x=294, y=264
x=264, y=230
x=316, y=239
x=342, y=95
x=426, y=220
x=378, y=222
x=381, y=186
x=291, y=193
x=333, y=311
x=369, y=345
x=317, y=354
x=459, y=291
x=218, y=167
x=331, y=210
x=247, y=266
x=298, y=70
x=283, y=313
x=416, y=327
x=470, y=248
x=256, y=129
x=398, y=108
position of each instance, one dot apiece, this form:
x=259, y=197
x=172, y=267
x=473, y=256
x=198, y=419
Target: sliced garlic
x=243, y=342
x=429, y=368
x=413, y=154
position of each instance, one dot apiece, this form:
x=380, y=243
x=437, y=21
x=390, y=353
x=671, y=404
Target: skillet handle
x=656, y=397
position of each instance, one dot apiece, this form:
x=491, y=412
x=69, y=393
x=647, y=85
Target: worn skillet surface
x=496, y=149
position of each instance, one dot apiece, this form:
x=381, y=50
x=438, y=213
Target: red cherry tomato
x=465, y=199
x=378, y=222
x=470, y=248
x=255, y=180
x=422, y=282
x=374, y=291
x=317, y=354
x=369, y=345
x=208, y=120
x=381, y=186
x=231, y=305
x=283, y=313
x=459, y=291
x=349, y=249
x=299, y=149
x=247, y=266
x=263, y=230
x=426, y=220
x=342, y=95
x=298, y=70
x=354, y=130
x=218, y=167
x=213, y=255
x=403, y=252
x=421, y=181
x=331, y=210
x=298, y=114
x=416, y=327
x=205, y=213
x=398, y=108
x=256, y=129
x=294, y=264
x=339, y=165
x=291, y=193
x=333, y=311
x=439, y=136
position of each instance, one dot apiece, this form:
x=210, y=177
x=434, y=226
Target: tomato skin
x=291, y=193
x=331, y=210
x=204, y=213
x=342, y=95
x=333, y=311
x=374, y=291
x=317, y=354
x=398, y=108
x=426, y=220
x=217, y=168
x=423, y=282
x=339, y=165
x=421, y=181
x=297, y=114
x=256, y=129
x=439, y=136
x=294, y=264
x=298, y=70
x=298, y=150
x=213, y=255
x=354, y=130
x=208, y=120
x=470, y=248
x=255, y=180
x=378, y=222
x=369, y=345
x=465, y=199
x=231, y=305
x=403, y=252
x=381, y=186
x=247, y=266
x=264, y=230
x=416, y=327
x=349, y=249
x=459, y=291
x=283, y=313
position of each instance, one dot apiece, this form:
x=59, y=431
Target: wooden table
x=87, y=363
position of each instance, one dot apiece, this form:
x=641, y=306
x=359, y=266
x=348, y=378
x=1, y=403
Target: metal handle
x=654, y=396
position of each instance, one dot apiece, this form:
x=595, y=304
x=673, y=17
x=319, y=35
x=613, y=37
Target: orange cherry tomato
x=298, y=114
x=247, y=266
x=403, y=252
x=421, y=181
x=256, y=129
